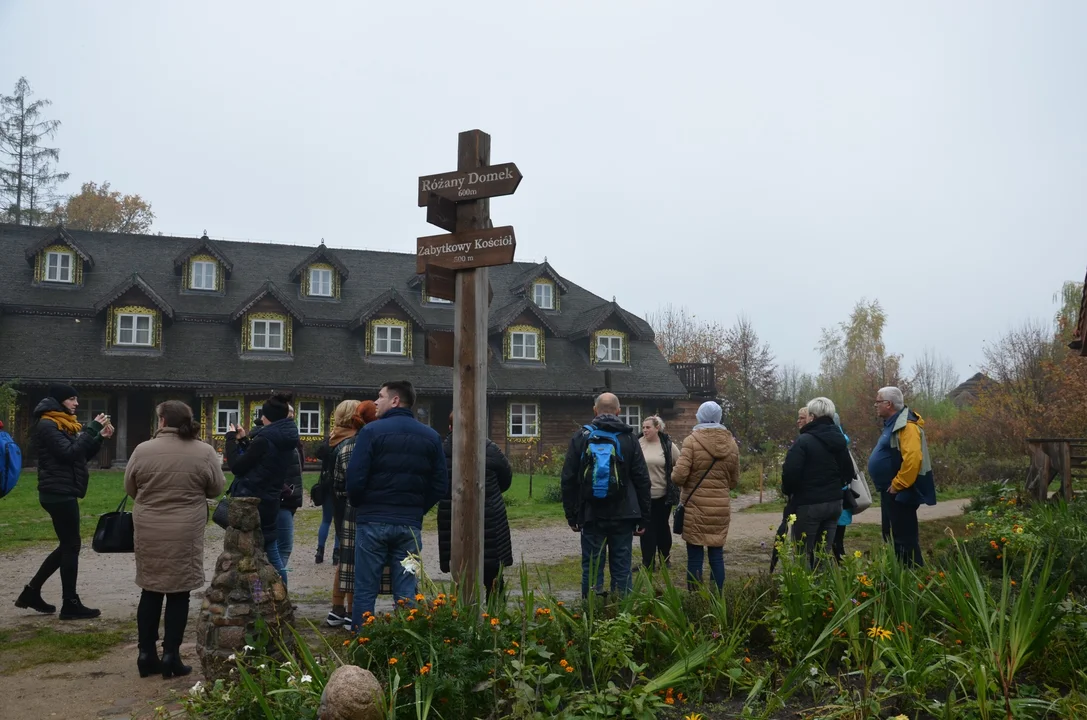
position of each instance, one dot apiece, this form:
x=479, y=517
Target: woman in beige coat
x=708, y=469
x=170, y=477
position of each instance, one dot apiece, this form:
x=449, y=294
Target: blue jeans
x=378, y=545
x=616, y=542
x=695, y=555
x=271, y=549
x=285, y=539
x=326, y=524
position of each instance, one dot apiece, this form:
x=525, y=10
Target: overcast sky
x=781, y=160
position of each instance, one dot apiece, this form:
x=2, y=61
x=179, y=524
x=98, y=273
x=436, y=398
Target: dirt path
x=110, y=687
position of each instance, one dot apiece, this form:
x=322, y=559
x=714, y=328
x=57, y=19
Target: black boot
x=171, y=664
x=148, y=663
x=320, y=556
x=30, y=598
x=335, y=556
x=74, y=609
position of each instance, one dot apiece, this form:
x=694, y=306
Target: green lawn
x=23, y=522
x=29, y=646
x=955, y=493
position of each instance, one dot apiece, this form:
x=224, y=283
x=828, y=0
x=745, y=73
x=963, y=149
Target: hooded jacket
x=632, y=504
x=817, y=465
x=711, y=452
x=62, y=456
x=901, y=460
x=497, y=546
x=261, y=466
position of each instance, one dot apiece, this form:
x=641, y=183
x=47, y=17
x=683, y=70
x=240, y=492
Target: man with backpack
x=606, y=495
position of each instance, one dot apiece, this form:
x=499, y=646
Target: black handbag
x=115, y=532
x=222, y=509
x=677, y=519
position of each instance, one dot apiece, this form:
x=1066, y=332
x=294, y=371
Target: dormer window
x=202, y=275
x=543, y=294
x=388, y=339
x=266, y=335
x=58, y=267
x=523, y=346
x=609, y=348
x=134, y=329
x=320, y=282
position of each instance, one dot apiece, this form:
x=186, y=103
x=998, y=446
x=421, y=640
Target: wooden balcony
x=700, y=379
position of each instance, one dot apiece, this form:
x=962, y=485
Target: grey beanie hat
x=709, y=412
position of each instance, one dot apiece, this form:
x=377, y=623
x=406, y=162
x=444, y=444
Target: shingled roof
x=58, y=233
x=134, y=281
x=204, y=245
x=201, y=348
x=321, y=254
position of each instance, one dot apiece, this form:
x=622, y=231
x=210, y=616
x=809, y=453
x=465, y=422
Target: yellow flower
x=878, y=633
x=1019, y=531
x=694, y=716
x=863, y=580
x=858, y=554
x=792, y=518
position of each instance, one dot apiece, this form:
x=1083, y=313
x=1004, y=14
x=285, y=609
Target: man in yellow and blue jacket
x=902, y=472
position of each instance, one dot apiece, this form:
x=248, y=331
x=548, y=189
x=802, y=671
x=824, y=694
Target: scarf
x=341, y=433
x=67, y=423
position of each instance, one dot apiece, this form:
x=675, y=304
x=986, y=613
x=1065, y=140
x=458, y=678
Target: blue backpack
x=11, y=463
x=601, y=462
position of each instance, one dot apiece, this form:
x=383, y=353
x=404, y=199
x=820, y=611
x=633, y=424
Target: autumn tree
x=96, y=207
x=28, y=175
x=746, y=380
x=854, y=364
x=933, y=376
x=682, y=337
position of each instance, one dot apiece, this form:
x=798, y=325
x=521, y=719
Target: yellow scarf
x=67, y=423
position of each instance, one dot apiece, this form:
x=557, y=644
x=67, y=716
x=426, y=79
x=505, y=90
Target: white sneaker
x=334, y=620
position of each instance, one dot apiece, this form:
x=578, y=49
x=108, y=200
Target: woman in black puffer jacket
x=63, y=447
x=497, y=546
x=816, y=468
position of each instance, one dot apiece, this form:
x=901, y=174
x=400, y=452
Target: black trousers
x=815, y=526
x=147, y=620
x=658, y=535
x=839, y=543
x=65, y=516
x=491, y=581
x=900, y=526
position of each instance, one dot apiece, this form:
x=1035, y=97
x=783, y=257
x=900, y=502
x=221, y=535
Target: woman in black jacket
x=63, y=448
x=816, y=467
x=497, y=545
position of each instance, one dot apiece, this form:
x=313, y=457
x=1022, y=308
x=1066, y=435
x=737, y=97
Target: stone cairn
x=245, y=587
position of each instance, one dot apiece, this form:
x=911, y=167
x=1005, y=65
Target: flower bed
x=964, y=638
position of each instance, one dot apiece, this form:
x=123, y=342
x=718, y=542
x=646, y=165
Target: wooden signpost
x=456, y=269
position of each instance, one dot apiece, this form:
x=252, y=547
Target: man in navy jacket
x=396, y=474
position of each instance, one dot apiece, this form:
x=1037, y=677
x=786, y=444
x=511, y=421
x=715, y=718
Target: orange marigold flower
x=346, y=643
x=563, y=663
x=992, y=544
x=747, y=659
x=516, y=644
x=393, y=661
x=569, y=668
x=669, y=700
x=495, y=622
x=511, y=652
x=363, y=640
x=420, y=597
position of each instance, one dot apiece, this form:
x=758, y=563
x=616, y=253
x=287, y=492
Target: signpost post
x=456, y=269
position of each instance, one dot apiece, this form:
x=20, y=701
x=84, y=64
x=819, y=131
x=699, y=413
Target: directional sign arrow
x=486, y=182
x=467, y=249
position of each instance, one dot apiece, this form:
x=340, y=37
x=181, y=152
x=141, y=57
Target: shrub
x=552, y=493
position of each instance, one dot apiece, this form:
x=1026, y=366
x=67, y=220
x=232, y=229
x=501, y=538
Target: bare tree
x=682, y=337
x=933, y=376
x=747, y=377
x=27, y=173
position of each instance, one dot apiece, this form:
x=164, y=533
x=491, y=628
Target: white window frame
x=527, y=416
x=317, y=281
x=59, y=272
x=135, y=329
x=611, y=343
x=388, y=340
x=223, y=415
x=524, y=335
x=310, y=411
x=550, y=304
x=202, y=269
x=631, y=415
x=266, y=335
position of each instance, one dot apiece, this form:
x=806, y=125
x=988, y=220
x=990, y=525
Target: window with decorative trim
x=320, y=282
x=609, y=348
x=388, y=336
x=266, y=335
x=227, y=412
x=523, y=344
x=134, y=329
x=543, y=294
x=202, y=275
x=524, y=420
x=631, y=415
x=309, y=417
x=58, y=266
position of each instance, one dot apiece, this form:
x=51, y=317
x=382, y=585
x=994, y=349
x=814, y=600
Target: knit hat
x=274, y=410
x=709, y=412
x=61, y=392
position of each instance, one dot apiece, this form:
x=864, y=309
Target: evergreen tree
x=28, y=173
